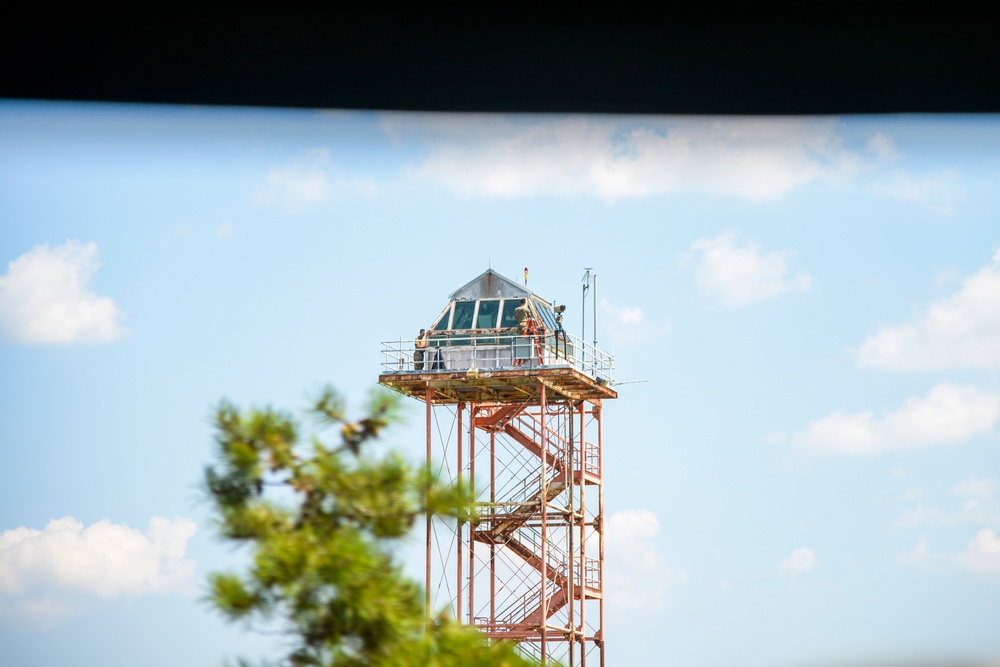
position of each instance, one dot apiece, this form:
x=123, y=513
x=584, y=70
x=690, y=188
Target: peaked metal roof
x=490, y=284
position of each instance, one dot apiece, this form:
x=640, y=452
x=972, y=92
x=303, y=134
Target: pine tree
x=322, y=521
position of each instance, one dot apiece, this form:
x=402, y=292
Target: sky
x=802, y=465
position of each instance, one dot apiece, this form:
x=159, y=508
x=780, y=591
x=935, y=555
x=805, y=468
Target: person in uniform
x=418, y=350
x=522, y=314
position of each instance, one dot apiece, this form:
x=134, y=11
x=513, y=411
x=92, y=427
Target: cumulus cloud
x=980, y=557
x=922, y=515
x=628, y=324
x=735, y=272
x=45, y=297
x=299, y=183
x=306, y=180
x=638, y=577
x=936, y=191
x=798, y=562
x=958, y=331
x=758, y=159
x=919, y=555
x=66, y=562
x=882, y=145
x=949, y=415
x=980, y=503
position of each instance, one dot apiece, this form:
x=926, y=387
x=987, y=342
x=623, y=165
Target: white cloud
x=980, y=504
x=798, y=562
x=975, y=490
x=949, y=415
x=980, y=501
x=919, y=555
x=959, y=331
x=882, y=145
x=638, y=577
x=980, y=557
x=306, y=180
x=922, y=515
x=628, y=324
x=735, y=272
x=45, y=297
x=612, y=158
x=299, y=183
x=64, y=562
x=935, y=191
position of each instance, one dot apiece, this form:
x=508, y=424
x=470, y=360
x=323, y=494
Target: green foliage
x=322, y=520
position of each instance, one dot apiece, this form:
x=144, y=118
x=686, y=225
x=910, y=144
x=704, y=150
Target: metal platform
x=500, y=386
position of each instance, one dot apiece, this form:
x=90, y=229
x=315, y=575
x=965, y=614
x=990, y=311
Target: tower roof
x=491, y=284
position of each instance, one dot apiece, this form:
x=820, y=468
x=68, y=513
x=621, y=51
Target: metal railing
x=591, y=459
x=521, y=607
x=592, y=572
x=483, y=351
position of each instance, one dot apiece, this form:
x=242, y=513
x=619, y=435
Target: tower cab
x=495, y=339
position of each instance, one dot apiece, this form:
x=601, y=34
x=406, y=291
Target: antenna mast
x=589, y=280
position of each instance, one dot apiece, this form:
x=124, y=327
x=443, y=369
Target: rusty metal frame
x=531, y=568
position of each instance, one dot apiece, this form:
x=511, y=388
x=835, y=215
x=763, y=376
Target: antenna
x=595, y=310
x=583, y=309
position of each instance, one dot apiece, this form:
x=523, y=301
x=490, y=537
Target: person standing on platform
x=418, y=350
x=522, y=314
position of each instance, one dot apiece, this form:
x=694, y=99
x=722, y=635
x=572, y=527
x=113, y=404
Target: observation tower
x=514, y=406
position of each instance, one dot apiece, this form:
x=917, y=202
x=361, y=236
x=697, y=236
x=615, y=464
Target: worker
x=418, y=350
x=522, y=314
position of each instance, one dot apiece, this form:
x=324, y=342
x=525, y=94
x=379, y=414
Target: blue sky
x=808, y=473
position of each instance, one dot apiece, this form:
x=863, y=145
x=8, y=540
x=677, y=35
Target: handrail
x=497, y=350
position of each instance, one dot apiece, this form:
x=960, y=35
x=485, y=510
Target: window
x=442, y=324
x=487, y=317
x=509, y=305
x=548, y=317
x=463, y=314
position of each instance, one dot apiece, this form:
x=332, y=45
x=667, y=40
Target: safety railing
x=591, y=571
x=521, y=607
x=448, y=352
x=530, y=424
x=556, y=556
x=523, y=499
x=591, y=458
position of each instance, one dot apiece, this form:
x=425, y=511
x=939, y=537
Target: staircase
x=517, y=530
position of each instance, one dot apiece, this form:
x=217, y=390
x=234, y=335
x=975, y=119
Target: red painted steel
x=540, y=553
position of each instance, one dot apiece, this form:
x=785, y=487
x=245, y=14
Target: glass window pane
x=442, y=324
x=548, y=317
x=487, y=317
x=463, y=314
x=509, y=305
